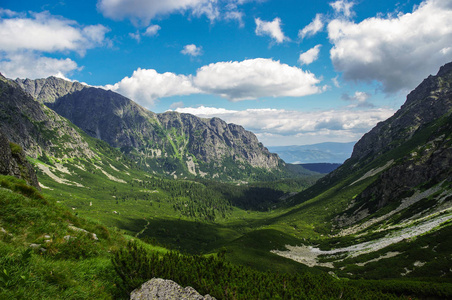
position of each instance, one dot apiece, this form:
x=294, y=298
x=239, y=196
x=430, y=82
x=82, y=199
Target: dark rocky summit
x=161, y=289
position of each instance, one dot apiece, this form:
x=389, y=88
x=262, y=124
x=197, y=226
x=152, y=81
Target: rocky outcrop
x=161, y=289
x=14, y=162
x=47, y=90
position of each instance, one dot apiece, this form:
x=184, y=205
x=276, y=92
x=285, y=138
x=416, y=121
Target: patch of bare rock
x=163, y=289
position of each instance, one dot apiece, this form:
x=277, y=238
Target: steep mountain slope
x=36, y=128
x=179, y=144
x=395, y=188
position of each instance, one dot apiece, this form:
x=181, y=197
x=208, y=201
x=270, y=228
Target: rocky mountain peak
x=35, y=127
x=47, y=90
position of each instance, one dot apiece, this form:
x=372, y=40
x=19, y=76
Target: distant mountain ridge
x=179, y=144
x=328, y=152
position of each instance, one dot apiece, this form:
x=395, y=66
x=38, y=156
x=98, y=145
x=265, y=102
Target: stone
x=163, y=289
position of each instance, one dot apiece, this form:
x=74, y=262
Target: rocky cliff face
x=36, y=128
x=47, y=90
x=428, y=102
x=403, y=164
x=211, y=140
x=410, y=153
x=14, y=162
x=180, y=144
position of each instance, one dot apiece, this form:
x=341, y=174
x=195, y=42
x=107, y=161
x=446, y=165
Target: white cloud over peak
x=235, y=81
x=309, y=56
x=145, y=86
x=271, y=29
x=396, y=51
x=343, y=7
x=255, y=78
x=192, y=50
x=279, y=126
x=312, y=28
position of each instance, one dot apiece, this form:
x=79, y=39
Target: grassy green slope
x=66, y=263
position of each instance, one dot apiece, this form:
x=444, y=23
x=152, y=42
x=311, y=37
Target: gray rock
x=13, y=161
x=161, y=289
x=5, y=232
x=93, y=235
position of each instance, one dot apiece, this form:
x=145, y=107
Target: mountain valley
x=377, y=227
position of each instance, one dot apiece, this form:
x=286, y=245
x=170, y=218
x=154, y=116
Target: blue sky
x=294, y=72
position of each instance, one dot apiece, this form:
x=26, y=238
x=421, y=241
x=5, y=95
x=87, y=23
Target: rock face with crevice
x=14, y=162
x=161, y=289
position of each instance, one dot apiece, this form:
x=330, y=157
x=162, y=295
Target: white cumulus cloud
x=312, y=28
x=46, y=33
x=192, y=50
x=141, y=12
x=30, y=65
x=145, y=86
x=309, y=56
x=397, y=51
x=25, y=38
x=358, y=99
x=235, y=81
x=271, y=29
x=255, y=78
x=152, y=30
x=343, y=7
x=145, y=10
x=279, y=126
